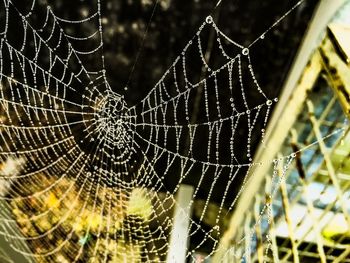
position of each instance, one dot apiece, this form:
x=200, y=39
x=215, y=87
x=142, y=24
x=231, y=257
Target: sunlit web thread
x=62, y=109
x=142, y=44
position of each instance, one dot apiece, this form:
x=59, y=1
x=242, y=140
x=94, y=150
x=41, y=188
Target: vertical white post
x=179, y=233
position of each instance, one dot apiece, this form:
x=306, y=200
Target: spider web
x=73, y=150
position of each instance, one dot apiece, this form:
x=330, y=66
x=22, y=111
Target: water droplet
x=269, y=102
x=245, y=51
x=262, y=36
x=209, y=19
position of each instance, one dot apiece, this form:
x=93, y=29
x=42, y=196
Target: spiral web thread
x=74, y=151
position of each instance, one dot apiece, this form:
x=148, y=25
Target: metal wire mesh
x=308, y=218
